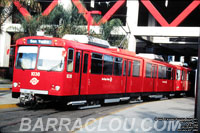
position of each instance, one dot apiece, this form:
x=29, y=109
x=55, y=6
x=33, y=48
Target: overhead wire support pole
x=127, y=34
x=197, y=97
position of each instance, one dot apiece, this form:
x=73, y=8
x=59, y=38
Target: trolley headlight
x=15, y=84
x=57, y=88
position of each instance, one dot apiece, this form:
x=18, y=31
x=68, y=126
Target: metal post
x=197, y=98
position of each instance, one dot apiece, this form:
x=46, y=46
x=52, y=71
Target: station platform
x=5, y=81
x=6, y=100
x=5, y=84
x=157, y=116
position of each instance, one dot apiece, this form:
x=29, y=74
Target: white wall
x=5, y=40
x=67, y=4
x=132, y=21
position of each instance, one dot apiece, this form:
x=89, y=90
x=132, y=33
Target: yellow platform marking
x=5, y=89
x=7, y=106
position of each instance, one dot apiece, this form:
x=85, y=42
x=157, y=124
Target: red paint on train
x=59, y=67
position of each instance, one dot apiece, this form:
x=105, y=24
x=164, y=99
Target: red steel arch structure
x=187, y=11
x=147, y=3
x=27, y=15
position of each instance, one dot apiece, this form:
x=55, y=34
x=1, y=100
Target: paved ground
x=5, y=81
x=6, y=98
x=138, y=117
x=49, y=117
x=12, y=119
x=5, y=86
x=144, y=117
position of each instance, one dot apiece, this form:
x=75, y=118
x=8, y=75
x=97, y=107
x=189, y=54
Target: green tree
x=60, y=22
x=31, y=5
x=29, y=28
x=6, y=8
x=105, y=33
x=108, y=27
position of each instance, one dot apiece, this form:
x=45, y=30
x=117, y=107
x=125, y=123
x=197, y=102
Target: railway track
x=11, y=118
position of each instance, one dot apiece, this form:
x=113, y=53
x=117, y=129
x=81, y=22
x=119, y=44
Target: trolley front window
x=26, y=57
x=51, y=59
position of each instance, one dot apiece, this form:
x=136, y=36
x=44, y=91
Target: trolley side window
x=108, y=65
x=154, y=74
x=96, y=65
x=70, y=60
x=77, y=64
x=148, y=70
x=178, y=74
x=183, y=75
x=136, y=68
x=160, y=75
x=118, y=66
x=162, y=72
x=129, y=68
x=188, y=73
x=169, y=73
x=173, y=74
x=125, y=64
x=85, y=63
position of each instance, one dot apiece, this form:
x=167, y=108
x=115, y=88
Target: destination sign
x=39, y=41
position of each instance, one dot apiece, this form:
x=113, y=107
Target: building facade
x=164, y=27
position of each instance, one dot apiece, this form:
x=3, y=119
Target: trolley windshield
x=26, y=57
x=49, y=58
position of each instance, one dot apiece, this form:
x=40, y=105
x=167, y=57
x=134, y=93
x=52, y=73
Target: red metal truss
x=185, y=13
x=27, y=15
x=84, y=11
x=162, y=21
x=21, y=9
x=105, y=18
x=147, y=3
x=112, y=10
x=50, y=8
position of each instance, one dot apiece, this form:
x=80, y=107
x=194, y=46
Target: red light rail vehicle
x=83, y=70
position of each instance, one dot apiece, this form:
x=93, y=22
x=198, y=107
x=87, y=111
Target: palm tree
x=6, y=8
x=111, y=26
x=108, y=27
x=61, y=22
x=31, y=5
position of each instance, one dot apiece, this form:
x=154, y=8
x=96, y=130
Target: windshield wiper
x=51, y=69
x=22, y=68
